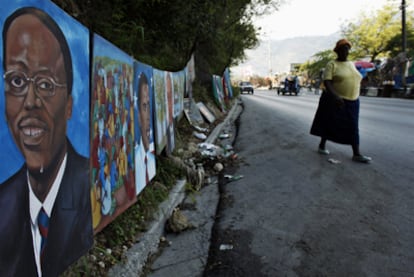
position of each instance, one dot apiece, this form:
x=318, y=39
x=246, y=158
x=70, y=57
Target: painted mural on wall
x=144, y=119
x=227, y=84
x=218, y=92
x=179, y=88
x=112, y=135
x=170, y=112
x=44, y=131
x=79, y=147
x=78, y=124
x=160, y=100
x=189, y=77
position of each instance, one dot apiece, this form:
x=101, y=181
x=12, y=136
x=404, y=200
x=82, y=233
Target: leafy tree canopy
x=165, y=33
x=317, y=64
x=371, y=33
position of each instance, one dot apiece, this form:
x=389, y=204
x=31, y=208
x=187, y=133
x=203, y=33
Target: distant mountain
x=277, y=55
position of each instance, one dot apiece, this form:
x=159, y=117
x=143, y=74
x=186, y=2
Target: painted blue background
x=78, y=126
x=105, y=48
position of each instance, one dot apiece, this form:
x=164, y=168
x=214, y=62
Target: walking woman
x=336, y=118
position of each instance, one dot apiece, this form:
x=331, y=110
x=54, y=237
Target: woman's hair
x=342, y=42
x=48, y=21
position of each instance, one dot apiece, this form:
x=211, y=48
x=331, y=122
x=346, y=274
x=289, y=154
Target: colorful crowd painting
x=218, y=92
x=161, y=109
x=113, y=122
x=82, y=127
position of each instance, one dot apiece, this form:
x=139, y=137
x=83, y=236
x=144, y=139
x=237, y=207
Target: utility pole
x=269, y=59
x=403, y=27
x=404, y=44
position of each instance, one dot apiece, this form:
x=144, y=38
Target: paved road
x=296, y=214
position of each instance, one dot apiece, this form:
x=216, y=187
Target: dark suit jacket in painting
x=70, y=227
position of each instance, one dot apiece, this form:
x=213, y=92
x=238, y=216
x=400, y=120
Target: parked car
x=246, y=87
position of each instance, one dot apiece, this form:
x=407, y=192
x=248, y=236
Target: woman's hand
x=339, y=101
x=329, y=87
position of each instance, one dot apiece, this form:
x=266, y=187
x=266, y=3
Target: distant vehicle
x=246, y=87
x=291, y=85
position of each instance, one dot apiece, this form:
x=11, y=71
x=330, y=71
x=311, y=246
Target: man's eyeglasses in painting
x=17, y=83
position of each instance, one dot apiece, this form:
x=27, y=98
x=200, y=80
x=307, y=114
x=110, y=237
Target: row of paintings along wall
x=79, y=150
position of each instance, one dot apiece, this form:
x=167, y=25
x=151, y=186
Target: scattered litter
x=208, y=115
x=233, y=177
x=209, y=149
x=224, y=136
x=201, y=175
x=218, y=167
x=187, y=115
x=227, y=154
x=200, y=129
x=333, y=161
x=192, y=112
x=228, y=147
x=228, y=151
x=199, y=135
x=226, y=247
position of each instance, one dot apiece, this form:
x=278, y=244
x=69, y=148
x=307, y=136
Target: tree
x=164, y=33
x=394, y=46
x=371, y=33
x=315, y=66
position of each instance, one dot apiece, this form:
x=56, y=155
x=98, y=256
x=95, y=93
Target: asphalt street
x=298, y=213
x=294, y=212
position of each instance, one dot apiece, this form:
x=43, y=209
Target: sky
x=297, y=18
x=314, y=17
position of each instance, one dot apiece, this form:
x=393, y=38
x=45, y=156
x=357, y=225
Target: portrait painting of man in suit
x=46, y=219
x=144, y=135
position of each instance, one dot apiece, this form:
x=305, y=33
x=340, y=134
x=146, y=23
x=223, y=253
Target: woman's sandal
x=323, y=151
x=361, y=159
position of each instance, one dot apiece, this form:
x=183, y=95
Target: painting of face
x=144, y=112
x=37, y=101
x=46, y=188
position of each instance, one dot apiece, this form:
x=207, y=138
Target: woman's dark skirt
x=336, y=123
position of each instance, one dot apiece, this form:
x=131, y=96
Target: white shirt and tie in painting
x=47, y=205
x=144, y=165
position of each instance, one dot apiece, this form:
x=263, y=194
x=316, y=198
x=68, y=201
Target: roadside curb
x=231, y=117
x=148, y=244
x=138, y=254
